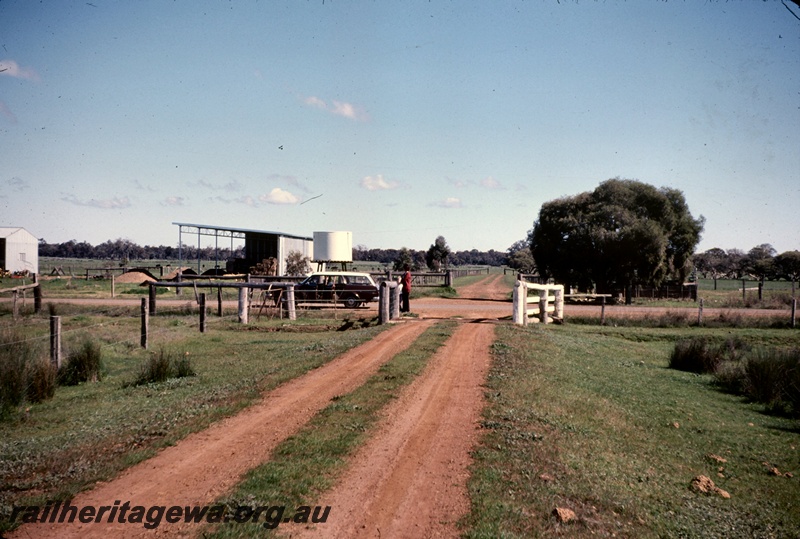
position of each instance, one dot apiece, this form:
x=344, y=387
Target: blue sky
x=406, y=119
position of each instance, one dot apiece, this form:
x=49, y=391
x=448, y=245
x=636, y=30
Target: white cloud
x=449, y=202
x=174, y=201
x=10, y=68
x=490, y=183
x=18, y=184
x=114, y=203
x=377, y=183
x=279, y=196
x=6, y=113
x=232, y=185
x=459, y=184
x=247, y=201
x=338, y=108
x=315, y=102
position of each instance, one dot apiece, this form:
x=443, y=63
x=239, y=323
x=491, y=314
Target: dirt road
x=410, y=479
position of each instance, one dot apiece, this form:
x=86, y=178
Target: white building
x=19, y=250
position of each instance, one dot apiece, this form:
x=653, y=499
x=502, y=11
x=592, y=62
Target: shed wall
x=21, y=251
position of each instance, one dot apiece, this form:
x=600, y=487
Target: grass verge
x=593, y=420
x=308, y=463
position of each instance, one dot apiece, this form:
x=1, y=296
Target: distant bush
x=160, y=367
x=83, y=364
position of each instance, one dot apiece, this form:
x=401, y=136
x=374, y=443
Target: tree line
x=437, y=256
x=124, y=250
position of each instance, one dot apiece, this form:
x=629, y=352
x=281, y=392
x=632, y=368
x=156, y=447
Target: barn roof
x=213, y=230
x=6, y=231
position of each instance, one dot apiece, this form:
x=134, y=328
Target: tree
x=788, y=266
x=437, y=254
x=623, y=233
x=403, y=259
x=759, y=261
x=519, y=257
x=715, y=261
x=297, y=264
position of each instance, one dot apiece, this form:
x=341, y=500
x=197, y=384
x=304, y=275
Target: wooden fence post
x=113, y=286
x=744, y=291
x=760, y=290
x=383, y=303
x=151, y=295
x=243, y=305
x=394, y=300
x=55, y=341
x=544, y=316
x=603, y=311
x=202, y=302
x=520, y=299
x=290, y=305
x=145, y=329
x=559, y=303
x=37, y=299
x=700, y=313
x=794, y=310
x=219, y=301
x=15, y=306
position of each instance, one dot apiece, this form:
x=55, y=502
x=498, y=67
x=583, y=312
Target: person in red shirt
x=406, y=292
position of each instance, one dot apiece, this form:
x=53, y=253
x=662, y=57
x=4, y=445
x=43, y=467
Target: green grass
x=592, y=419
x=91, y=431
x=308, y=463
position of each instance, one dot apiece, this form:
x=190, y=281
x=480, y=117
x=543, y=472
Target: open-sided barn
x=19, y=250
x=259, y=245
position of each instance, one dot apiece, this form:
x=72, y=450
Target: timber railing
x=549, y=299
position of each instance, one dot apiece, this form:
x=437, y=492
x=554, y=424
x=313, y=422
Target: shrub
x=160, y=367
x=772, y=377
x=82, y=364
x=695, y=355
x=24, y=374
x=41, y=379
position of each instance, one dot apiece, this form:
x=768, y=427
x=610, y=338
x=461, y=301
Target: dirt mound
x=173, y=275
x=135, y=277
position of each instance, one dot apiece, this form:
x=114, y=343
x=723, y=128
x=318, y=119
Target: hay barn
x=258, y=244
x=19, y=250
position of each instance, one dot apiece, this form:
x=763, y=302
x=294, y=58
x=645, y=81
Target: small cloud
x=114, y=203
x=247, y=201
x=232, y=185
x=17, y=184
x=10, y=68
x=291, y=181
x=459, y=184
x=490, y=183
x=174, y=201
x=315, y=102
x=141, y=187
x=449, y=203
x=6, y=113
x=377, y=183
x=279, y=196
x=338, y=108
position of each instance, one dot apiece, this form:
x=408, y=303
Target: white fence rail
x=548, y=303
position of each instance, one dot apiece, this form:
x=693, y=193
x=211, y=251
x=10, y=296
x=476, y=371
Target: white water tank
x=333, y=246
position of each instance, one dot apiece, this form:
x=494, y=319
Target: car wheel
x=351, y=302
